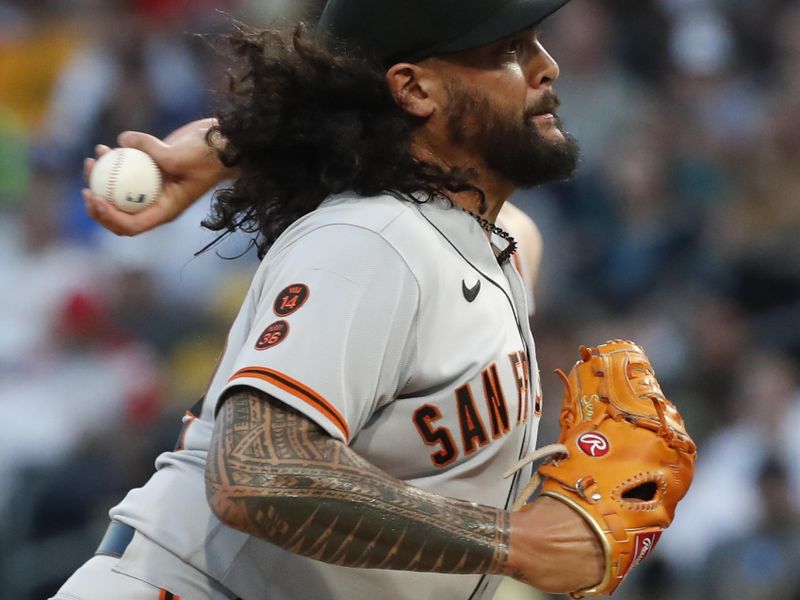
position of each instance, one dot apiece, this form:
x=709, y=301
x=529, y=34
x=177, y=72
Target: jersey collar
x=463, y=233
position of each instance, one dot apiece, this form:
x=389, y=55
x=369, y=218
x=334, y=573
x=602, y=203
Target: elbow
x=220, y=506
x=219, y=501
x=247, y=509
x=223, y=502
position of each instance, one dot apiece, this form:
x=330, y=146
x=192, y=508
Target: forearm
x=274, y=474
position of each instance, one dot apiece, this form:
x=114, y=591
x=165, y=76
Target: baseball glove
x=623, y=460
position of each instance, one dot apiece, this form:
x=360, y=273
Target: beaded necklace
x=492, y=228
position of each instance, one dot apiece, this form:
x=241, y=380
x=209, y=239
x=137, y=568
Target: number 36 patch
x=273, y=335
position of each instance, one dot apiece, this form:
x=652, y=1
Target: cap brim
x=515, y=16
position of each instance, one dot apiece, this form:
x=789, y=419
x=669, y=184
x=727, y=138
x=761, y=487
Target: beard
x=511, y=146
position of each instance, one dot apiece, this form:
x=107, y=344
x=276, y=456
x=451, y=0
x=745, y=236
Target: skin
x=276, y=474
x=522, y=227
x=515, y=73
x=273, y=473
x=190, y=167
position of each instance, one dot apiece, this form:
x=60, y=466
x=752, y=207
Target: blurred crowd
x=679, y=231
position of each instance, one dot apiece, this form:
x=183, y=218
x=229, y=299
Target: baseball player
x=381, y=375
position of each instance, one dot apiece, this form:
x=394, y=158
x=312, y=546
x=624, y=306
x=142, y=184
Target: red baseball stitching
x=112, y=175
x=158, y=185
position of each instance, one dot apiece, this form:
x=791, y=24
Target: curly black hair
x=304, y=121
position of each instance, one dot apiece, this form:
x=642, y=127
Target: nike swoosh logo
x=470, y=293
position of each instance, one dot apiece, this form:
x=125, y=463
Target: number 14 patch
x=290, y=299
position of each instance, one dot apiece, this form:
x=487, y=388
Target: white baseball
x=126, y=177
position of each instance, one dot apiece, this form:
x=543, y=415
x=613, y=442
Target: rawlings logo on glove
x=623, y=459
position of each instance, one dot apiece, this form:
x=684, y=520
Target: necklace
x=492, y=228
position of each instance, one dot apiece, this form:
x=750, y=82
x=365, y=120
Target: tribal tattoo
x=275, y=474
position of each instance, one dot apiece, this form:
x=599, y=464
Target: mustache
x=548, y=104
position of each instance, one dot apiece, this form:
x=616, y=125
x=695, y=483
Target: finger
x=145, y=142
x=100, y=209
x=88, y=165
x=89, y=162
x=110, y=217
x=89, y=204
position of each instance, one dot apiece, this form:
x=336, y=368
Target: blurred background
x=679, y=231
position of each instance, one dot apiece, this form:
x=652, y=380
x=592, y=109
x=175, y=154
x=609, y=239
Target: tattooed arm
x=273, y=473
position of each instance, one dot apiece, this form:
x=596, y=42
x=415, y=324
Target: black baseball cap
x=410, y=30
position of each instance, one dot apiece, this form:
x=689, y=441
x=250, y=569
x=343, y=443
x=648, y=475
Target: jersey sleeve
x=333, y=334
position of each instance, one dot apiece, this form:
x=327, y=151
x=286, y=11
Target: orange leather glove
x=624, y=457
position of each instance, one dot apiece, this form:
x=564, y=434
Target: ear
x=413, y=88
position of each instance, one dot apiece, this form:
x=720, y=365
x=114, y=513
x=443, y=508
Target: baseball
x=126, y=177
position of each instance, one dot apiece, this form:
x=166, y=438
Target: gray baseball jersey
x=391, y=325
